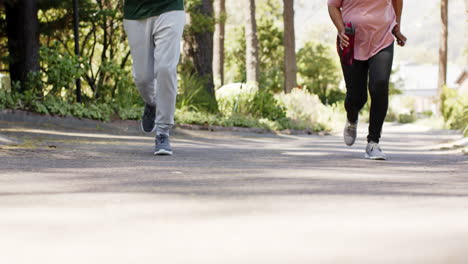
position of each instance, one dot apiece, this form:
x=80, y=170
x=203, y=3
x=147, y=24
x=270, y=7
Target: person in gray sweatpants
x=154, y=29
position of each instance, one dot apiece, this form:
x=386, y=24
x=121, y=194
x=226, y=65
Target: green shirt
x=141, y=9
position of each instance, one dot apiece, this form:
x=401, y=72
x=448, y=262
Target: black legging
x=377, y=69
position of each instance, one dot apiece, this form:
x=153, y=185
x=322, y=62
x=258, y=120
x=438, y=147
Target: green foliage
x=199, y=21
x=52, y=105
x=319, y=73
x=264, y=105
x=238, y=120
x=307, y=109
x=192, y=94
x=183, y=116
x=130, y=112
x=271, y=55
x=104, y=67
x=235, y=55
x=427, y=114
x=60, y=70
x=407, y=118
x=391, y=116
x=454, y=109
x=119, y=87
x=8, y=100
x=271, y=49
x=235, y=98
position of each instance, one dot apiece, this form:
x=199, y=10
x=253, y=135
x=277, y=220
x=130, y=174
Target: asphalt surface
x=81, y=192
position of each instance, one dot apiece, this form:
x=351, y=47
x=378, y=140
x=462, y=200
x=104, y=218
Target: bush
x=426, y=114
x=132, y=112
x=54, y=106
x=307, y=108
x=264, y=105
x=60, y=70
x=391, y=116
x=270, y=48
x=185, y=116
x=237, y=120
x=454, y=109
x=319, y=73
x=192, y=93
x=271, y=53
x=407, y=118
x=235, y=98
x=7, y=100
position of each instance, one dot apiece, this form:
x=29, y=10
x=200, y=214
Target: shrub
x=406, y=118
x=132, y=112
x=305, y=107
x=319, y=73
x=235, y=98
x=185, y=116
x=238, y=120
x=391, y=116
x=454, y=109
x=264, y=105
x=60, y=70
x=192, y=93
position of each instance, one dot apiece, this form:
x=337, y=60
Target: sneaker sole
x=163, y=152
x=374, y=158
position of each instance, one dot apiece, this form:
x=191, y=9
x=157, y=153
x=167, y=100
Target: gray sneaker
x=163, y=146
x=373, y=152
x=148, y=118
x=349, y=133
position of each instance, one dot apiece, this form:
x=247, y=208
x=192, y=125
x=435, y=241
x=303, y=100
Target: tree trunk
x=23, y=40
x=218, y=49
x=290, y=66
x=198, y=47
x=443, y=46
x=252, y=61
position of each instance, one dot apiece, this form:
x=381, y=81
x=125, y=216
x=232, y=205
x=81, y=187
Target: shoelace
x=162, y=138
x=375, y=145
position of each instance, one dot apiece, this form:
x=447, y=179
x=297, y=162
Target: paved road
x=92, y=196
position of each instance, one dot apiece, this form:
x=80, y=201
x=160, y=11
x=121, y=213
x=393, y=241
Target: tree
x=105, y=53
x=252, y=61
x=443, y=46
x=218, y=49
x=271, y=53
x=270, y=48
x=22, y=26
x=319, y=73
x=290, y=66
x=198, y=45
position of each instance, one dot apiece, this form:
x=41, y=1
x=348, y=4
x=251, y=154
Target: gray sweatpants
x=155, y=48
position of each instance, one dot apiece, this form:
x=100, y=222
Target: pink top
x=374, y=21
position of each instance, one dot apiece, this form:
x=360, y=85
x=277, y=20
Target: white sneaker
x=373, y=152
x=349, y=133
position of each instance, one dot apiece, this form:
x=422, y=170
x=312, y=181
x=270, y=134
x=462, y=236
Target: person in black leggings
x=375, y=74
x=377, y=25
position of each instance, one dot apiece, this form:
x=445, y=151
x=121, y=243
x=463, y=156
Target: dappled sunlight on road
x=70, y=134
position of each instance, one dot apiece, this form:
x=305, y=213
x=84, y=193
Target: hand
x=344, y=40
x=400, y=38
